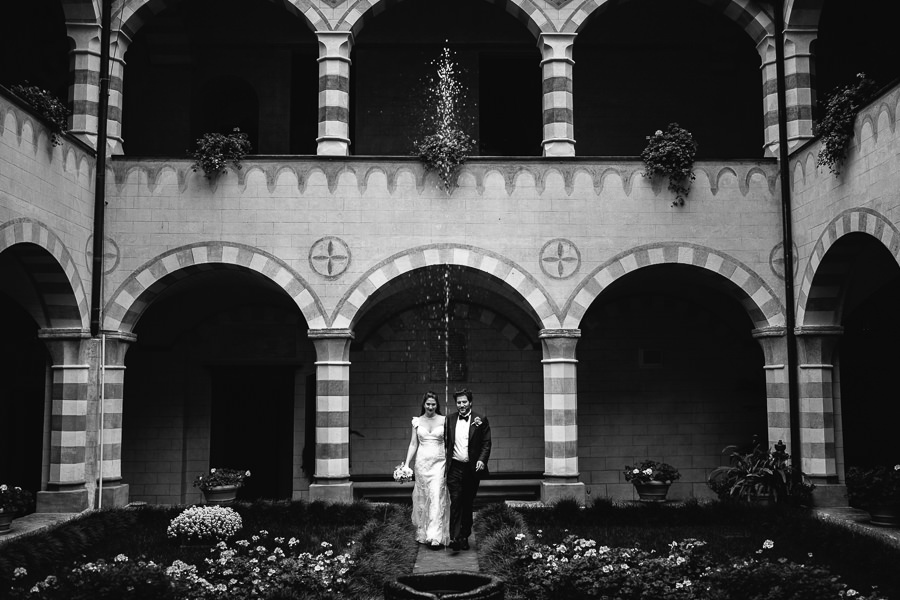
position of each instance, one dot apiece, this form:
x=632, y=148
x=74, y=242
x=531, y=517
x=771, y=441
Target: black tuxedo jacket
x=479, y=441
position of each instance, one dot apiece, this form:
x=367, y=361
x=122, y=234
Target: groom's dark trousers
x=462, y=485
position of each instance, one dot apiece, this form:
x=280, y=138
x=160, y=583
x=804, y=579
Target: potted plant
x=836, y=128
x=651, y=479
x=671, y=153
x=876, y=490
x=48, y=106
x=14, y=501
x=445, y=145
x=760, y=475
x=214, y=151
x=220, y=486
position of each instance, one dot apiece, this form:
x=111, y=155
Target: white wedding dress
x=430, y=499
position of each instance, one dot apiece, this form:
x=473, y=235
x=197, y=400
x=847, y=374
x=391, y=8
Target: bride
x=430, y=499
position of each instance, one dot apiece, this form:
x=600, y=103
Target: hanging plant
x=48, y=106
x=214, y=151
x=671, y=153
x=836, y=128
x=445, y=145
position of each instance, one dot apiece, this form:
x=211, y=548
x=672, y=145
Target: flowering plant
x=248, y=568
x=476, y=422
x=214, y=151
x=402, y=473
x=14, y=499
x=760, y=472
x=446, y=146
x=205, y=524
x=878, y=486
x=48, y=106
x=836, y=128
x=220, y=477
x=651, y=470
x=671, y=153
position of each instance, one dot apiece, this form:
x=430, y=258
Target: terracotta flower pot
x=652, y=491
x=222, y=494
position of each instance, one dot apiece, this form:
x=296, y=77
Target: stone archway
x=138, y=291
x=758, y=298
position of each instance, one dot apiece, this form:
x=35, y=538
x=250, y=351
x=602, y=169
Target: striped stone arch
x=758, y=299
x=462, y=310
x=542, y=307
x=138, y=291
x=821, y=290
x=747, y=14
x=65, y=303
x=526, y=11
x=130, y=15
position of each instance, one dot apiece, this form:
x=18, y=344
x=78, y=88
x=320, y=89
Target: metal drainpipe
x=787, y=240
x=100, y=174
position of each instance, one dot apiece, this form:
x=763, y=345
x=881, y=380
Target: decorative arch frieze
x=59, y=285
x=542, y=308
x=357, y=14
x=757, y=297
x=139, y=290
x=748, y=15
x=818, y=301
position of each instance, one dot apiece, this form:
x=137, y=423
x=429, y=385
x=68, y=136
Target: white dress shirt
x=461, y=442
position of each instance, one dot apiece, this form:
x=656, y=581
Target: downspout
x=787, y=241
x=99, y=222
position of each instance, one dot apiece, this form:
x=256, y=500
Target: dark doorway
x=868, y=358
x=252, y=426
x=23, y=366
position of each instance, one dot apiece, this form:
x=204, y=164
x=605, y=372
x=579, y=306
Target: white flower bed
x=205, y=524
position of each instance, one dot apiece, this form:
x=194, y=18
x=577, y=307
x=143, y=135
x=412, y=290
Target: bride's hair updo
x=433, y=396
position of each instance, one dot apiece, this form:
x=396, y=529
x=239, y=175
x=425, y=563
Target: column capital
x=556, y=46
x=818, y=330
x=335, y=45
x=769, y=332
x=797, y=41
x=559, y=333
x=85, y=35
x=319, y=334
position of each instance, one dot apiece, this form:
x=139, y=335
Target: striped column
x=332, y=478
x=70, y=378
x=334, y=92
x=115, y=493
x=815, y=347
x=799, y=90
x=556, y=71
x=778, y=409
x=560, y=416
x=84, y=90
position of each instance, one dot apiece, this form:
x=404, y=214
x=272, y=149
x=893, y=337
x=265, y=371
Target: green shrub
x=836, y=128
x=48, y=106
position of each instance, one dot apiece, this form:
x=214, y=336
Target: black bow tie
x=463, y=418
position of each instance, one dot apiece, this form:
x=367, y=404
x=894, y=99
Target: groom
x=468, y=440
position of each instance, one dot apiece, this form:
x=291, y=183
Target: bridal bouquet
x=402, y=473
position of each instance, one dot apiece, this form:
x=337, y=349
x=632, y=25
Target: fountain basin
x=445, y=585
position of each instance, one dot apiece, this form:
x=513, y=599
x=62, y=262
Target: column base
x=63, y=501
x=331, y=147
x=552, y=491
x=559, y=148
x=830, y=495
x=332, y=493
x=114, y=495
